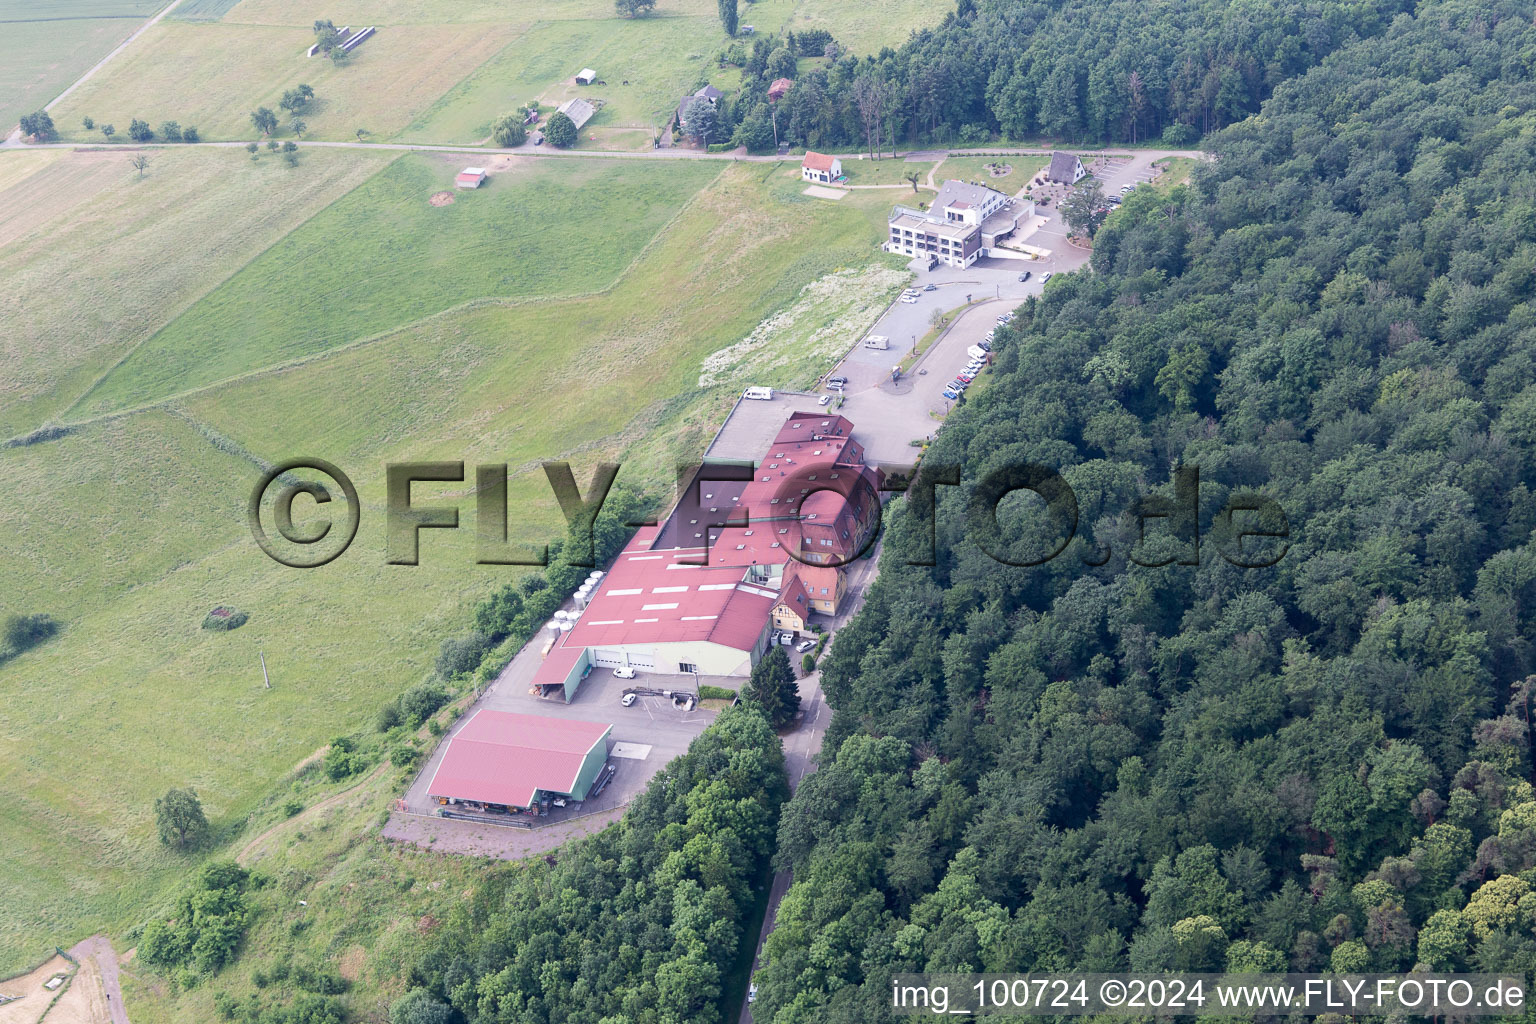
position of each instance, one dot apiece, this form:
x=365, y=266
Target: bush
x=342, y=760
x=224, y=618
x=139, y=131
x=388, y=716
x=404, y=756
x=292, y=808
x=39, y=125
x=24, y=632
x=707, y=692
x=189, y=134
x=808, y=663
x=204, y=931
x=461, y=654
x=1179, y=135
x=170, y=131
x=418, y=1006
x=418, y=703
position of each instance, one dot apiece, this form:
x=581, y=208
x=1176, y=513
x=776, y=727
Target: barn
x=586, y=76
x=501, y=759
x=470, y=177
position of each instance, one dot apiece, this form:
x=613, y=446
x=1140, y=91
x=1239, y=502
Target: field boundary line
x=117, y=364
x=297, y=361
x=119, y=48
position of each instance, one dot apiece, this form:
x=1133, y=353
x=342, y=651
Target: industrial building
x=737, y=558
x=503, y=760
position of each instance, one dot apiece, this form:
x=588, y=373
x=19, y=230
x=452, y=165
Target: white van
x=977, y=352
x=877, y=341
x=762, y=394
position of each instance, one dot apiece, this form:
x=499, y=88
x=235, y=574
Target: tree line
x=1112, y=72
x=1123, y=760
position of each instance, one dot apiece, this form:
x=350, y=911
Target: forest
x=1110, y=71
x=1120, y=760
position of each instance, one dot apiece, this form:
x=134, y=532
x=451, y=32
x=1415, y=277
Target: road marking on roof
x=657, y=607
x=607, y=622
x=668, y=590
x=717, y=586
x=645, y=558
x=647, y=620
x=698, y=618
x=626, y=593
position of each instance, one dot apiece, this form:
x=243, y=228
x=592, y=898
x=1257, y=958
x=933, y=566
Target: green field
x=237, y=68
x=891, y=170
x=385, y=256
x=156, y=497
x=135, y=252
x=39, y=59
x=661, y=58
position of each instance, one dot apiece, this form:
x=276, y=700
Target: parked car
x=837, y=383
x=627, y=699
x=1045, y=277
x=951, y=394
x=930, y=287
x=624, y=672
x=985, y=344
x=965, y=376
x=805, y=645
x=959, y=385
x=559, y=801
x=751, y=993
x=909, y=298
x=1024, y=276
x=824, y=399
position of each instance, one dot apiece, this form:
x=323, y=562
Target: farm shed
x=586, y=76
x=580, y=111
x=470, y=177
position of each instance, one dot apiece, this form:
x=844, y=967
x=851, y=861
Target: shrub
x=808, y=663
x=342, y=760
x=224, y=618
x=707, y=692
x=139, y=131
x=388, y=717
x=170, y=131
x=419, y=702
x=189, y=134
x=1179, y=135
x=24, y=632
x=180, y=820
x=292, y=808
x=560, y=131
x=461, y=654
x=404, y=756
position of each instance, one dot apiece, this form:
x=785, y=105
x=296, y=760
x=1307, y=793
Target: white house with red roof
x=470, y=177
x=701, y=593
x=820, y=167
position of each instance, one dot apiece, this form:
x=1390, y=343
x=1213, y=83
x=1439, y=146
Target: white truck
x=761, y=394
x=877, y=341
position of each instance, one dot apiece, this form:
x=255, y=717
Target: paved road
x=99, y=949
x=802, y=746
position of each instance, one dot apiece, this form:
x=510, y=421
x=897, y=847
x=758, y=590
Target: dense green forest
x=636, y=924
x=1324, y=764
x=1100, y=71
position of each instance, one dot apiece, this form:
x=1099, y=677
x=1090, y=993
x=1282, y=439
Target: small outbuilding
x=470, y=177
x=586, y=76
x=779, y=88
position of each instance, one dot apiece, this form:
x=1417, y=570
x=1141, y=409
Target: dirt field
x=34, y=998
x=84, y=1003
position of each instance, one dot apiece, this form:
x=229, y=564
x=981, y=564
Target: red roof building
x=512, y=760
x=820, y=167
x=778, y=89
x=699, y=593
x=470, y=177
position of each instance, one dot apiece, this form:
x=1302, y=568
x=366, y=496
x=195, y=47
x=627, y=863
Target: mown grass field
x=660, y=58
x=38, y=59
x=131, y=528
x=134, y=252
x=384, y=256
x=886, y=171
x=237, y=68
